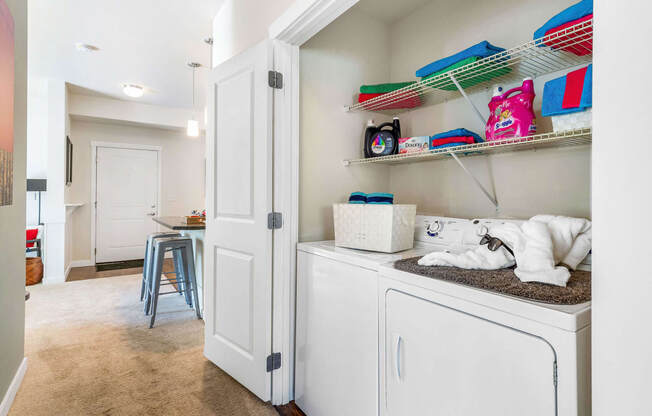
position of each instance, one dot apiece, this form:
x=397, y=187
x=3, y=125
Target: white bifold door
x=127, y=199
x=238, y=243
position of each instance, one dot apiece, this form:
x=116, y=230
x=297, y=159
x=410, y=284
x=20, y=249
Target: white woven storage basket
x=572, y=121
x=384, y=228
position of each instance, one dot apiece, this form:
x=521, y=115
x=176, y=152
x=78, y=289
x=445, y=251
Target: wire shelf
x=561, y=50
x=538, y=141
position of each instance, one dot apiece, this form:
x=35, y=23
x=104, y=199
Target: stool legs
x=181, y=275
x=186, y=281
x=155, y=281
x=191, y=279
x=145, y=267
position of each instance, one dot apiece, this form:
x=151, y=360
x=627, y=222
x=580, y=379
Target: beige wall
x=555, y=181
x=240, y=24
x=527, y=183
x=182, y=176
x=333, y=66
x=12, y=220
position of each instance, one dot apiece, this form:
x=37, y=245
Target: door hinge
x=555, y=375
x=96, y=250
x=275, y=79
x=274, y=220
x=273, y=361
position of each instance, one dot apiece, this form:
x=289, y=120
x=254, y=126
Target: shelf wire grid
x=532, y=59
x=576, y=137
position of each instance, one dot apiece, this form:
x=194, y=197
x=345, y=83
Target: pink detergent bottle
x=511, y=115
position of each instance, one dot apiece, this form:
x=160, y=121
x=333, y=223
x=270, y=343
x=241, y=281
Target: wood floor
x=290, y=409
x=84, y=273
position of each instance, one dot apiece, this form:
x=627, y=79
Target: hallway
x=90, y=352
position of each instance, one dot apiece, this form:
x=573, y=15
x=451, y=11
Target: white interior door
x=238, y=245
x=440, y=361
x=127, y=195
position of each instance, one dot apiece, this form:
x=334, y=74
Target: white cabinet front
x=440, y=361
x=337, y=338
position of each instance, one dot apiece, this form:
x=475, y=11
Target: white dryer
x=336, y=361
x=450, y=349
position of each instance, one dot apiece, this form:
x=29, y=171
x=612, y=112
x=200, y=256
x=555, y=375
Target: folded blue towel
x=587, y=92
x=482, y=49
x=574, y=12
x=380, y=198
x=448, y=145
x=553, y=95
x=458, y=133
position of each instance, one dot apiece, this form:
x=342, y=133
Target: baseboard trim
x=8, y=400
x=81, y=263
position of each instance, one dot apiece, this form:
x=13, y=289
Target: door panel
x=127, y=195
x=238, y=244
x=233, y=295
x=234, y=153
x=440, y=361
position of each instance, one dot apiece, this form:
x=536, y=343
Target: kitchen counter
x=178, y=223
x=196, y=233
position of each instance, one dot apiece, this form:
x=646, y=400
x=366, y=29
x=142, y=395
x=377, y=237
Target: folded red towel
x=398, y=101
x=580, y=42
x=574, y=88
x=456, y=139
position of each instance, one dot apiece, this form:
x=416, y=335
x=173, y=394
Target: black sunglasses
x=494, y=243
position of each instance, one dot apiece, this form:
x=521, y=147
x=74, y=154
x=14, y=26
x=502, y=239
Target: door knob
x=151, y=214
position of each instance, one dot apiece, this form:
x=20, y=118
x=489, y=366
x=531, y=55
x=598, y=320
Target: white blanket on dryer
x=545, y=248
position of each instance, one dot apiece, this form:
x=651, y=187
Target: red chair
x=32, y=242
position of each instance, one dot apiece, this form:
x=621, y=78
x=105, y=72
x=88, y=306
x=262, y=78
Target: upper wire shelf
x=576, y=137
x=561, y=50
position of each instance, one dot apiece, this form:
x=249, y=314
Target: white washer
x=336, y=367
x=373, y=340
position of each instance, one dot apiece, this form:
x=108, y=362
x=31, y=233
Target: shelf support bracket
x=490, y=197
x=468, y=100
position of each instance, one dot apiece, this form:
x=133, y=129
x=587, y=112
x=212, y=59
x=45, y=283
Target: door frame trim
x=301, y=21
x=94, y=146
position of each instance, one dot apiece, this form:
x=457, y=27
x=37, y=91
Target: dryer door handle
x=397, y=364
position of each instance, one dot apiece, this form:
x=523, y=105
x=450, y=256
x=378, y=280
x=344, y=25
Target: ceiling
x=389, y=11
x=144, y=42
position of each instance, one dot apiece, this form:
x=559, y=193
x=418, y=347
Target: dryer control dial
x=434, y=228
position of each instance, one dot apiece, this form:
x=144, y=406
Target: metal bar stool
x=184, y=263
x=149, y=256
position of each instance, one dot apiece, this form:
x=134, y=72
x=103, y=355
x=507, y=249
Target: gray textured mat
x=578, y=289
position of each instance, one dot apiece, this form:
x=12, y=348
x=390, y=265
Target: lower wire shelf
x=538, y=141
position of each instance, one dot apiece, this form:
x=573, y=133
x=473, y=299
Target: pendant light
x=193, y=124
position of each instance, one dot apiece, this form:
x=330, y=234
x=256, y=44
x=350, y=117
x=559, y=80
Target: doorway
x=126, y=189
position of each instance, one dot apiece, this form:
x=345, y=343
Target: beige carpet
x=90, y=352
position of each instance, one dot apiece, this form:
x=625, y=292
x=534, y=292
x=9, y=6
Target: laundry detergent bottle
x=382, y=140
x=511, y=113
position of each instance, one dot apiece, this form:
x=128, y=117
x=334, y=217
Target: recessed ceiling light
x=85, y=47
x=133, y=90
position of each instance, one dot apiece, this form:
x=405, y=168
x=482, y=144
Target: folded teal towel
x=482, y=49
x=358, y=198
x=459, y=133
x=380, y=198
